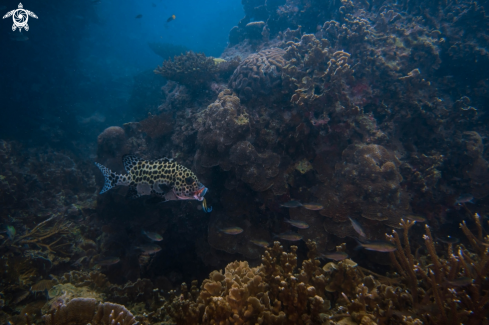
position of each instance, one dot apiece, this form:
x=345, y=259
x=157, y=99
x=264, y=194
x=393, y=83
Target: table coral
x=194, y=70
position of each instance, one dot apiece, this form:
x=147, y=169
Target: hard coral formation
x=82, y=311
x=259, y=74
x=271, y=293
x=194, y=70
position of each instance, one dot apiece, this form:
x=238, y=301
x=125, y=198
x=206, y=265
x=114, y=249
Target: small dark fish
x=416, y=218
x=297, y=223
x=109, y=261
x=292, y=204
x=460, y=282
x=153, y=236
x=291, y=236
x=357, y=227
x=11, y=232
x=232, y=230
x=336, y=256
x=150, y=248
x=261, y=243
x=153, y=5
x=465, y=198
x=19, y=296
x=379, y=246
x=448, y=239
x=139, y=16
x=172, y=17
x=313, y=206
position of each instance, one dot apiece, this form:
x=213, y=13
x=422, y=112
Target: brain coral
x=259, y=74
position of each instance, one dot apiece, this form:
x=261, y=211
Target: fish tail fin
x=359, y=246
x=110, y=178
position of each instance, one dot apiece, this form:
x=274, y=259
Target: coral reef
x=259, y=74
x=193, y=70
x=86, y=310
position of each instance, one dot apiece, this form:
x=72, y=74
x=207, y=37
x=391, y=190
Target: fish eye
x=189, y=180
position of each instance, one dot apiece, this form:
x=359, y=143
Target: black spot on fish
x=189, y=180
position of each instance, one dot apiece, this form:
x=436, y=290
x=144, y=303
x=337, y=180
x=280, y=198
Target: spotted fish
x=162, y=178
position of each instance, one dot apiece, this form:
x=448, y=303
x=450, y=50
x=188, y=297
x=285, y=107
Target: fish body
x=139, y=16
x=416, y=218
x=336, y=256
x=379, y=246
x=150, y=249
x=290, y=236
x=172, y=17
x=109, y=261
x=163, y=178
x=153, y=235
x=357, y=227
x=205, y=208
x=460, y=282
x=261, y=243
x=464, y=198
x=11, y=232
x=232, y=230
x=291, y=204
x=297, y=223
x=313, y=206
x=448, y=239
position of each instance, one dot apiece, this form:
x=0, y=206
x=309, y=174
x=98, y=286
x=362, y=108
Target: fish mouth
x=200, y=193
x=197, y=195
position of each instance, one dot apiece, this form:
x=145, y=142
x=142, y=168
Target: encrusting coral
x=82, y=311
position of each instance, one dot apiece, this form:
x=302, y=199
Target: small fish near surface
x=297, y=223
x=139, y=16
x=313, y=206
x=464, y=198
x=336, y=256
x=232, y=230
x=291, y=204
x=290, y=236
x=154, y=236
x=108, y=261
x=150, y=249
x=378, y=246
x=162, y=178
x=357, y=227
x=172, y=17
x=261, y=243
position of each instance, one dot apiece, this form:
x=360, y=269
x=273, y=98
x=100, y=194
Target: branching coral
x=456, y=286
x=269, y=294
